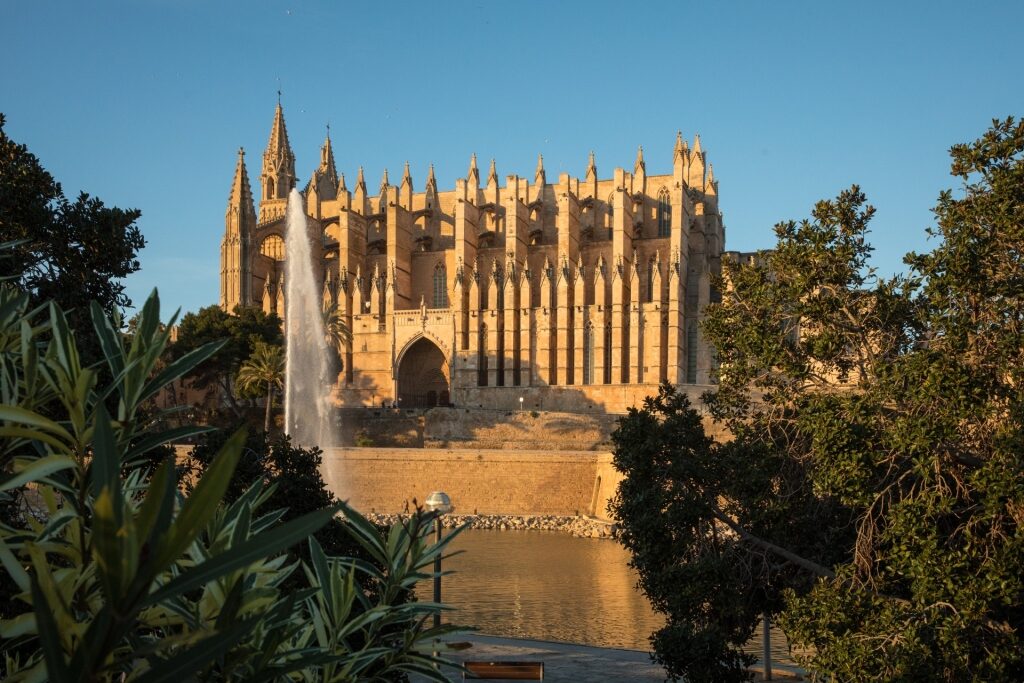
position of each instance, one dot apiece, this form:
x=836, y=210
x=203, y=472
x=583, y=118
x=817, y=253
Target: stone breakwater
x=582, y=527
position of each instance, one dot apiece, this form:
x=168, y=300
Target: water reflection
x=548, y=586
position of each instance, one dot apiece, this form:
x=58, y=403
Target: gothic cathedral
x=577, y=294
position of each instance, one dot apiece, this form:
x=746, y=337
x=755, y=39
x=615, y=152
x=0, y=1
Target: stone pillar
x=527, y=332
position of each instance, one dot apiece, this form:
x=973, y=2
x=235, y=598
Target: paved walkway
x=569, y=663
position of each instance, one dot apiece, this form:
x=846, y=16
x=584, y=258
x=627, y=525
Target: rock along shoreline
x=581, y=527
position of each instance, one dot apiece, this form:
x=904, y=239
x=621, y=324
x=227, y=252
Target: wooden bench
x=508, y=671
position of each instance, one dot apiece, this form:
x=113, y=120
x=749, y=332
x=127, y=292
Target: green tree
x=242, y=331
x=871, y=494
x=64, y=251
x=264, y=368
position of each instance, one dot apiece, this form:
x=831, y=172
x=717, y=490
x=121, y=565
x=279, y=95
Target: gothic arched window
x=440, y=286
x=273, y=246
x=482, y=378
x=691, y=352
x=664, y=213
x=588, y=353
x=611, y=213
x=608, y=353
x=270, y=188
x=650, y=281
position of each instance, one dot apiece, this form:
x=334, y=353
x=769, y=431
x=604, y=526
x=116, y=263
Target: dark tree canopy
x=242, y=331
x=873, y=495
x=67, y=252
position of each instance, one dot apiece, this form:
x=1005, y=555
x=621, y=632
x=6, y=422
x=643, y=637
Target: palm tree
x=336, y=334
x=335, y=328
x=264, y=367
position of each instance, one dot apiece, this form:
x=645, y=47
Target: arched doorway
x=423, y=376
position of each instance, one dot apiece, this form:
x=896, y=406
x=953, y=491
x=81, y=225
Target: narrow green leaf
x=185, y=664
x=180, y=368
x=17, y=415
x=37, y=470
x=110, y=341
x=49, y=637
x=201, y=506
x=14, y=568
x=256, y=548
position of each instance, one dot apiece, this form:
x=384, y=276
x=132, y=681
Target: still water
x=547, y=586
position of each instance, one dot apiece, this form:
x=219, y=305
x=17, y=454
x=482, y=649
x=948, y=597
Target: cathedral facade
x=561, y=294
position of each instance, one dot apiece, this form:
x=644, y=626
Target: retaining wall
x=483, y=481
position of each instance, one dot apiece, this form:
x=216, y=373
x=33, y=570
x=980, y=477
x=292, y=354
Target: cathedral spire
x=492, y=174
x=327, y=166
x=241, y=194
x=431, y=180
x=696, y=144
x=360, y=180
x=278, y=176
x=591, y=167
x=473, y=174
x=406, y=175
x=539, y=177
x=384, y=184
x=341, y=184
x=639, y=165
x=677, y=153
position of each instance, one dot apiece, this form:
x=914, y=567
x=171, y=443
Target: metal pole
x=437, y=571
x=766, y=641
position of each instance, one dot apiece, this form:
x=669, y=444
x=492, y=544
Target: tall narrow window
x=650, y=281
x=608, y=354
x=440, y=286
x=691, y=352
x=482, y=378
x=611, y=213
x=664, y=213
x=588, y=354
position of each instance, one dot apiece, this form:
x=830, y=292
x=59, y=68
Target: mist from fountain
x=307, y=402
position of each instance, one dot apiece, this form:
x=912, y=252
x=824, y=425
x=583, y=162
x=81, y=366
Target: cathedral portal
x=423, y=376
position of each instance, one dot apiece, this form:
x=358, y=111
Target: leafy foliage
x=240, y=332
x=873, y=489
x=264, y=368
x=121, y=577
x=64, y=251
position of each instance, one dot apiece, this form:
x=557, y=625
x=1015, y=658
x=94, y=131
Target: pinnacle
x=591, y=165
x=492, y=174
x=406, y=175
x=639, y=159
x=696, y=144
x=241, y=194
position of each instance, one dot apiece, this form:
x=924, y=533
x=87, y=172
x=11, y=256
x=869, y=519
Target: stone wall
x=492, y=482
x=584, y=398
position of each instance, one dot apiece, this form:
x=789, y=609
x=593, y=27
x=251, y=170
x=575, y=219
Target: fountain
x=307, y=401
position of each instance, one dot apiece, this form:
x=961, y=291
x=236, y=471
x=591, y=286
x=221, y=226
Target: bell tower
x=278, y=175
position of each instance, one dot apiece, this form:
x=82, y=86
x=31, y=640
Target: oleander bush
x=112, y=573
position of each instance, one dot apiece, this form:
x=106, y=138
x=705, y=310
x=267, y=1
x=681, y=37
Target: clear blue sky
x=145, y=103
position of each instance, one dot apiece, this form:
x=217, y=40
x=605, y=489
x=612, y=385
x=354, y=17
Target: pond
x=547, y=586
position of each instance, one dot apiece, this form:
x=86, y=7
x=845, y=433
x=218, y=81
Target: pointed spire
x=678, y=152
x=241, y=194
x=341, y=184
x=384, y=184
x=360, y=180
x=406, y=175
x=696, y=144
x=711, y=173
x=431, y=180
x=591, y=167
x=473, y=173
x=492, y=174
x=278, y=143
x=327, y=157
x=639, y=164
x=278, y=173
x=539, y=177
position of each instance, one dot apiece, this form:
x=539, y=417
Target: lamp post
x=520, y=404
x=439, y=502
